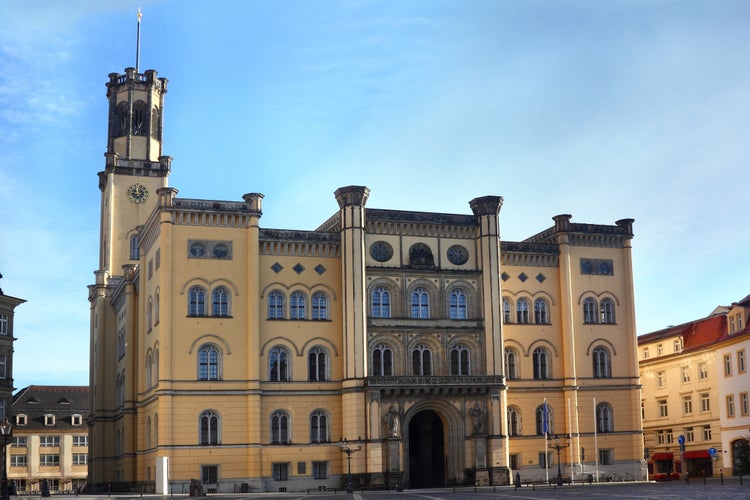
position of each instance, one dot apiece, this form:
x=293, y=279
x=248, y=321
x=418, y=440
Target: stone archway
x=427, y=459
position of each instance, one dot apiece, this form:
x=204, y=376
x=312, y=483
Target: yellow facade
x=251, y=358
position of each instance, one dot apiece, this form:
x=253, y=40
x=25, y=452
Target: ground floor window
x=281, y=471
x=210, y=473
x=606, y=457
x=21, y=485
x=515, y=462
x=545, y=459
x=320, y=470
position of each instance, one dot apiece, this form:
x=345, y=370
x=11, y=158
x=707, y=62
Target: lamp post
x=348, y=449
x=6, y=431
x=555, y=444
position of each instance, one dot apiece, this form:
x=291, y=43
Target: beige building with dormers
x=250, y=357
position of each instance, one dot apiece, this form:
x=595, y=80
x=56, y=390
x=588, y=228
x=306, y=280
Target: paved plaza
x=713, y=489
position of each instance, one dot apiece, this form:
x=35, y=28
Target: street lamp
x=6, y=432
x=555, y=444
x=348, y=449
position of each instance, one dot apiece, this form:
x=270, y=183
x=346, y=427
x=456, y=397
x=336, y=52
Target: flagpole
x=138, y=42
x=545, y=428
x=596, y=446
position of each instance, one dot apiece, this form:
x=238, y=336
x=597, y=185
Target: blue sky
x=601, y=109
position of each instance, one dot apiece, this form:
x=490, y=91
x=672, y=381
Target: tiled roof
x=62, y=401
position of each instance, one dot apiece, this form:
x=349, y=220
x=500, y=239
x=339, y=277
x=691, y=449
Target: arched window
x=209, y=428
x=149, y=368
x=220, y=301
x=275, y=305
x=382, y=361
x=541, y=364
x=320, y=306
x=156, y=367
x=140, y=118
x=208, y=362
x=420, y=303
x=507, y=308
x=511, y=364
x=135, y=253
x=514, y=421
x=741, y=456
x=602, y=366
x=381, y=303
x=460, y=360
x=317, y=363
x=319, y=427
x=603, y=417
x=156, y=307
x=156, y=123
x=148, y=432
x=149, y=313
x=121, y=120
x=156, y=429
x=297, y=305
x=543, y=419
x=590, y=310
x=421, y=360
x=196, y=301
x=457, y=305
x=541, y=312
x=279, y=427
x=522, y=312
x=278, y=365
x=607, y=309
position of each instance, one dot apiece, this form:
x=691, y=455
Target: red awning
x=662, y=456
x=697, y=454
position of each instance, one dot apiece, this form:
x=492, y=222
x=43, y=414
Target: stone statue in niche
x=477, y=414
x=420, y=255
x=392, y=421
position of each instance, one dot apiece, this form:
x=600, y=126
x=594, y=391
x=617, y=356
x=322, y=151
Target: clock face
x=137, y=193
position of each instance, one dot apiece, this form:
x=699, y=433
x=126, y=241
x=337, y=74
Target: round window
x=458, y=255
x=381, y=251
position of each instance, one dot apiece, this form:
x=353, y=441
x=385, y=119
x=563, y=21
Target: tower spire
x=138, y=41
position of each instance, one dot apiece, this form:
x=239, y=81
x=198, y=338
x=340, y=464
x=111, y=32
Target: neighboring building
x=680, y=396
x=7, y=311
x=245, y=356
x=734, y=385
x=50, y=438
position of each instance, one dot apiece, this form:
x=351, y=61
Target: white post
x=162, y=473
x=545, y=428
x=596, y=445
x=570, y=446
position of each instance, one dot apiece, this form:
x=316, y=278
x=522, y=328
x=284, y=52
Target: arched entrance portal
x=426, y=450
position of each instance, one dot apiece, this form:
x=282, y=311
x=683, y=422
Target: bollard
x=721, y=475
x=687, y=477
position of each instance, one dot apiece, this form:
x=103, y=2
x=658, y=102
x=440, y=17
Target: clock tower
x=134, y=168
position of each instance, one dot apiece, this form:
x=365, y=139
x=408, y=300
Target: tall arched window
x=208, y=362
x=140, y=118
x=209, y=428
x=320, y=306
x=156, y=307
x=156, y=123
x=149, y=369
x=602, y=367
x=511, y=363
x=319, y=427
x=541, y=363
x=297, y=305
x=196, y=301
x=603, y=417
x=421, y=360
x=607, y=309
x=543, y=420
x=522, y=312
x=381, y=303
x=278, y=365
x=279, y=427
x=590, y=310
x=156, y=366
x=514, y=421
x=382, y=361
x=149, y=313
x=541, y=312
x=121, y=120
x=317, y=363
x=507, y=310
x=275, y=305
x=148, y=432
x=420, y=303
x=460, y=360
x=220, y=301
x=457, y=304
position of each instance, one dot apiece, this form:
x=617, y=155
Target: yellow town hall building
x=250, y=357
